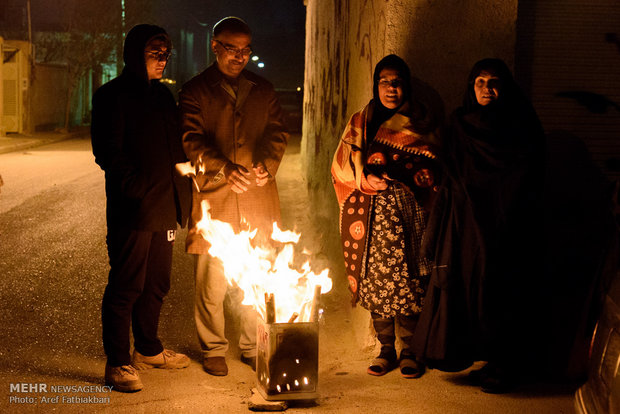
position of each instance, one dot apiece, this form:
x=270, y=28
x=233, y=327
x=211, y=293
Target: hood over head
x=135, y=42
x=510, y=93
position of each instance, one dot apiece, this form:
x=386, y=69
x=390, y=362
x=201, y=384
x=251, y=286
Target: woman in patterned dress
x=384, y=174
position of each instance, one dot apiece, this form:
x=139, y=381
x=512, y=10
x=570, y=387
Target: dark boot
x=410, y=366
x=386, y=361
x=497, y=379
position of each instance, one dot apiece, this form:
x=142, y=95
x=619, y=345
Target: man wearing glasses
x=234, y=134
x=136, y=141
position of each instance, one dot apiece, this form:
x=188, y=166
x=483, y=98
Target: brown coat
x=217, y=128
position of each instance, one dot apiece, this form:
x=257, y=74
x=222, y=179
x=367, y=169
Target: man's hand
x=262, y=175
x=236, y=177
x=376, y=183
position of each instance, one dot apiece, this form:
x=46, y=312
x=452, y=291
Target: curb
x=13, y=144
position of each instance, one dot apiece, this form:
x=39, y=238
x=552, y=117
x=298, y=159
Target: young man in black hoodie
x=136, y=141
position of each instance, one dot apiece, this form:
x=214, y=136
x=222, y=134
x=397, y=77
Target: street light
x=260, y=65
x=254, y=58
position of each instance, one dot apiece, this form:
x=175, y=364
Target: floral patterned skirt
x=396, y=275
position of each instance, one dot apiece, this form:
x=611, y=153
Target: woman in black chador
x=485, y=235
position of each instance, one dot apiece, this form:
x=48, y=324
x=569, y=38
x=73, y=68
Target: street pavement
x=53, y=265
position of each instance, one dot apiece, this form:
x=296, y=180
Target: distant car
x=291, y=101
x=601, y=392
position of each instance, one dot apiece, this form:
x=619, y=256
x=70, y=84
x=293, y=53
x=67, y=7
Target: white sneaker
x=167, y=359
x=124, y=378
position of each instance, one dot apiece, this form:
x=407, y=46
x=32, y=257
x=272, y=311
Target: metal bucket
x=287, y=366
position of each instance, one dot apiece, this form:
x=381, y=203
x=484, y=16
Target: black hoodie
x=135, y=42
x=136, y=141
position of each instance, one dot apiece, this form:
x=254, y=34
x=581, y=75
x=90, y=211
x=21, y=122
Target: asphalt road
x=53, y=269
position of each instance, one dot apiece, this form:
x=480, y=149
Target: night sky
x=278, y=27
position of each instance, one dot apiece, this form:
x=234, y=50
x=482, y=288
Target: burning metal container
x=287, y=335
x=287, y=364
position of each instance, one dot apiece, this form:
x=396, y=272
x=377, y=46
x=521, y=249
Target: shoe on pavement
x=410, y=367
x=124, y=378
x=497, y=380
x=478, y=376
x=215, y=366
x=249, y=360
x=167, y=359
x=497, y=384
x=384, y=363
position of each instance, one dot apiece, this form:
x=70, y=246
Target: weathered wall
x=569, y=63
x=15, y=79
x=49, y=91
x=346, y=38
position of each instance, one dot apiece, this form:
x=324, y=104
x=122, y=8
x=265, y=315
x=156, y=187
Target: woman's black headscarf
x=504, y=136
x=509, y=94
x=398, y=64
x=381, y=113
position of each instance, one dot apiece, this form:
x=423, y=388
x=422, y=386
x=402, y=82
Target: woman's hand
x=376, y=183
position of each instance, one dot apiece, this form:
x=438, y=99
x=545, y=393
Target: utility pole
x=29, y=92
x=29, y=25
x=119, y=47
x=2, y=127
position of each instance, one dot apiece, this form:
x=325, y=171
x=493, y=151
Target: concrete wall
x=568, y=60
x=440, y=40
x=49, y=92
x=49, y=95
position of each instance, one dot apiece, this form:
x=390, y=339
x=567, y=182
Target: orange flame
x=264, y=269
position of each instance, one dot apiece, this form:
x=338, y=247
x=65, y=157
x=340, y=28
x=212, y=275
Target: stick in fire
x=270, y=308
x=314, y=309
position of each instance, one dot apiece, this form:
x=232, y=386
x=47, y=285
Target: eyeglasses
x=235, y=51
x=161, y=56
x=394, y=83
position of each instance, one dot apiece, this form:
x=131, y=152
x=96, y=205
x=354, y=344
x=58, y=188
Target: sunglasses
x=161, y=56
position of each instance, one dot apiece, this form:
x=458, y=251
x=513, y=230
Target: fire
x=263, y=270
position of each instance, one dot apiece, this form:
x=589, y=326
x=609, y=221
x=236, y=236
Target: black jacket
x=136, y=140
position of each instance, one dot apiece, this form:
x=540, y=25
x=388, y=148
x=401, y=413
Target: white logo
x=171, y=235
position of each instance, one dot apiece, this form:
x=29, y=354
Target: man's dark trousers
x=139, y=279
